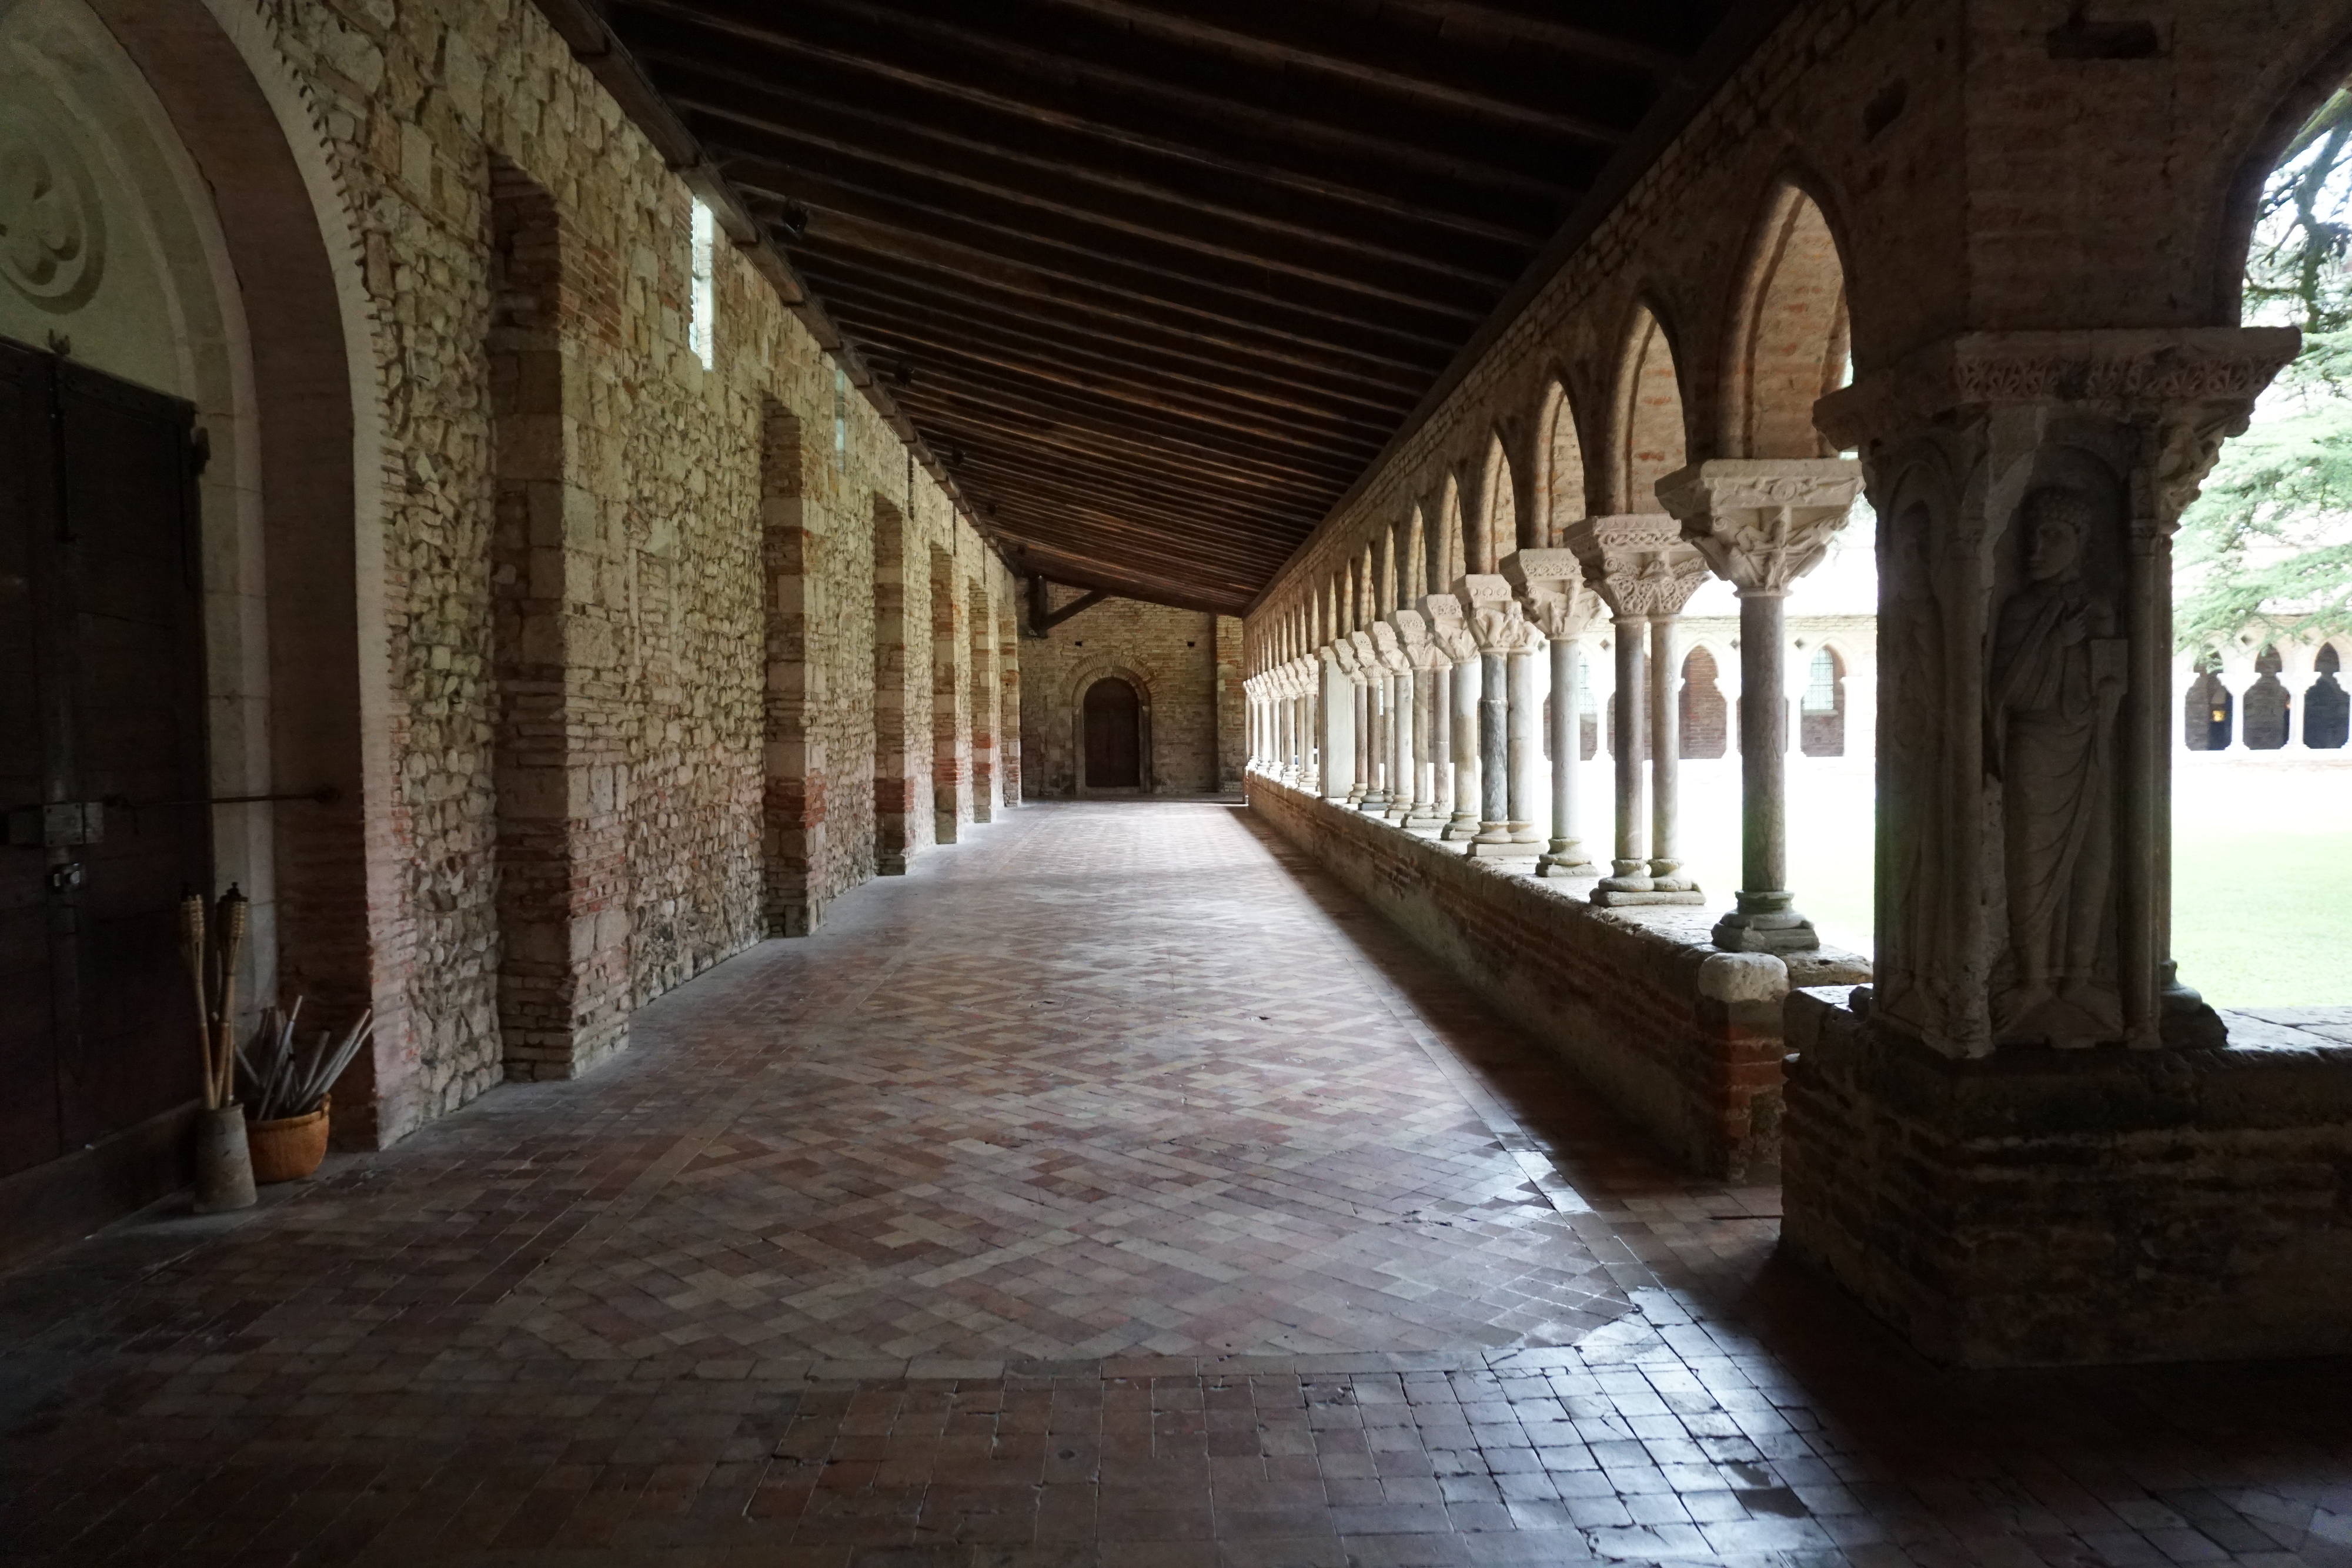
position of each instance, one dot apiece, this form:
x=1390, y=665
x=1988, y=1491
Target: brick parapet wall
x=2046, y=1207
x=1618, y=995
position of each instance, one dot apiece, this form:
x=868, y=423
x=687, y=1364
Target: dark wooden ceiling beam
x=943, y=135
x=1081, y=572
x=1350, y=446
x=921, y=322
x=1109, y=540
x=1066, y=421
x=1218, y=523
x=1226, y=315
x=1539, y=23
x=960, y=180
x=1116, y=537
x=1523, y=92
x=1071, y=49
x=1235, y=293
x=1310, y=276
x=1234, y=131
x=1308, y=368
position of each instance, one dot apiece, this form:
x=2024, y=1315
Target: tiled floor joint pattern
x=1110, y=1191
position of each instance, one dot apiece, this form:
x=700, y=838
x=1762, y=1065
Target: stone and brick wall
x=626, y=605
x=1185, y=664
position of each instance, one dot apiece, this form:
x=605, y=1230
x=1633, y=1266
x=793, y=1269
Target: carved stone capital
x=1342, y=657
x=1388, y=649
x=2120, y=369
x=1541, y=570
x=1564, y=611
x=1501, y=627
x=1638, y=562
x=1762, y=522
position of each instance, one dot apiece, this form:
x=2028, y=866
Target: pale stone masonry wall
x=1177, y=660
x=654, y=554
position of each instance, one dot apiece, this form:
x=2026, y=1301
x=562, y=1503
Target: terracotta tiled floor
x=1112, y=1190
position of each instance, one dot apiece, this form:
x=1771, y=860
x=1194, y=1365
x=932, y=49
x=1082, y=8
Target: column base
x=1610, y=898
x=1764, y=923
x=2184, y=1021
x=1459, y=827
x=1565, y=857
x=1492, y=845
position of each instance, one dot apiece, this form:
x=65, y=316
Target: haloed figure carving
x=2058, y=677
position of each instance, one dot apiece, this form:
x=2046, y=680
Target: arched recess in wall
x=200, y=127
x=1082, y=681
x=1498, y=534
x=1412, y=557
x=1446, y=544
x=1791, y=341
x=1560, y=468
x=1648, y=440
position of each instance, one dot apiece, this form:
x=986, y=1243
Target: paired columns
x=1562, y=608
x=1645, y=573
x=1762, y=523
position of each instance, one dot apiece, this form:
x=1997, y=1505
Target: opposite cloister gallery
x=1131, y=782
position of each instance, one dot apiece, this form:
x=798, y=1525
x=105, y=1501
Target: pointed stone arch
x=1649, y=439
x=1560, y=466
x=1791, y=340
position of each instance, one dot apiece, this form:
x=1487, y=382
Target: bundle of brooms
x=287, y=1080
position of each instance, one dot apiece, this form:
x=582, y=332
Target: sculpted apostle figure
x=2058, y=676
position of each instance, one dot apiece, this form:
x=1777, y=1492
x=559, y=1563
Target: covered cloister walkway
x=1113, y=1189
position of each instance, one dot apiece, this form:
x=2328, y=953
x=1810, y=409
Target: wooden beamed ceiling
x=1157, y=280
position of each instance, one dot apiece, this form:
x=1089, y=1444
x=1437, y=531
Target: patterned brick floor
x=1110, y=1191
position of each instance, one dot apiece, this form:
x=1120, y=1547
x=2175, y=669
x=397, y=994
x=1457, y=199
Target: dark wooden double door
x=102, y=764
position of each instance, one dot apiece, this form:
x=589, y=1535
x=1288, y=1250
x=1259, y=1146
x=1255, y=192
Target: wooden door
x=1114, y=736
x=102, y=752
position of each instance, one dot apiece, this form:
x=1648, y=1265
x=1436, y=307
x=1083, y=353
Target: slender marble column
x=1461, y=725
x=1628, y=719
x=1493, y=749
x=1441, y=742
x=1666, y=761
x=1564, y=856
x=1762, y=523
x=1526, y=746
x=1362, y=699
x=1335, y=704
x=1376, y=797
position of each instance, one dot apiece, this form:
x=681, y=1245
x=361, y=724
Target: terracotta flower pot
x=288, y=1148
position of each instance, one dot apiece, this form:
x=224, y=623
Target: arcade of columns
x=1455, y=715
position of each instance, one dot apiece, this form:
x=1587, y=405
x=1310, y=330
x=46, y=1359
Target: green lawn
x=2255, y=914
x=2261, y=869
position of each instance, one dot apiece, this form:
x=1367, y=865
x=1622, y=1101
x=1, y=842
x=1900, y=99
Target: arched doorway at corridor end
x=1111, y=747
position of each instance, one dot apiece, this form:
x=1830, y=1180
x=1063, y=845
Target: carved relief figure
x=2057, y=685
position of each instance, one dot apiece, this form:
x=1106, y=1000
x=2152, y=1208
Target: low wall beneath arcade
x=2044, y=1207
x=1683, y=1039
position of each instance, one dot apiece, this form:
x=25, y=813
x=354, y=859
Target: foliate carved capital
x=1411, y=630
x=2120, y=369
x=1388, y=649
x=1342, y=656
x=1565, y=612
x=1638, y=562
x=1502, y=628
x=1762, y=523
